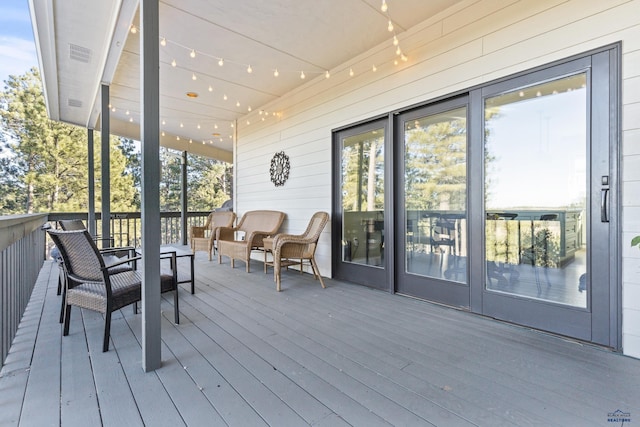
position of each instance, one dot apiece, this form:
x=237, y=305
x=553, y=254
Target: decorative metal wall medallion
x=280, y=168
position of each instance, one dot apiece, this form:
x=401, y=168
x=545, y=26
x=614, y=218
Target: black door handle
x=604, y=201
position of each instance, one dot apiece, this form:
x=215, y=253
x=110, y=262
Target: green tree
x=48, y=158
x=209, y=183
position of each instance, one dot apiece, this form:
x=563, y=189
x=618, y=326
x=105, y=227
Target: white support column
x=150, y=212
x=105, y=162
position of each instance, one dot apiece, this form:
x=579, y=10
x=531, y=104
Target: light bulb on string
x=210, y=88
x=162, y=133
x=395, y=40
x=302, y=76
x=198, y=126
x=249, y=69
x=374, y=68
x=249, y=108
x=404, y=57
x=163, y=42
x=276, y=73
x=163, y=122
x=398, y=51
x=221, y=62
x=350, y=72
x=134, y=29
x=193, y=52
x=237, y=103
x=193, y=76
x=181, y=125
x=390, y=26
x=173, y=63
x=131, y=119
x=225, y=97
x=384, y=6
x=327, y=74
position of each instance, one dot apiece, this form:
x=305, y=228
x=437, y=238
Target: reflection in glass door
x=360, y=158
x=434, y=197
x=536, y=192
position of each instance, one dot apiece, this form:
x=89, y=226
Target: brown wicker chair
x=91, y=286
x=294, y=249
x=204, y=238
x=256, y=225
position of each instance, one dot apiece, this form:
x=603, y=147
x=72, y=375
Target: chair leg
x=176, y=309
x=107, y=331
x=316, y=271
x=67, y=318
x=276, y=273
x=63, y=304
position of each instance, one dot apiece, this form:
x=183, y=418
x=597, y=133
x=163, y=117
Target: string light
x=163, y=122
x=302, y=76
x=395, y=40
x=193, y=76
x=350, y=72
x=210, y=88
x=225, y=97
x=276, y=73
x=374, y=68
x=162, y=133
x=163, y=42
x=237, y=103
x=249, y=69
x=384, y=6
x=134, y=29
x=390, y=26
x=221, y=62
x=193, y=52
x=173, y=63
x=327, y=74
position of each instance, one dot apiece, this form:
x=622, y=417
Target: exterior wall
x=471, y=43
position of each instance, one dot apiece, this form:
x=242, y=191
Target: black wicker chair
x=90, y=284
x=111, y=256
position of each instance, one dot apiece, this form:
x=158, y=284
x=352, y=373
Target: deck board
x=246, y=355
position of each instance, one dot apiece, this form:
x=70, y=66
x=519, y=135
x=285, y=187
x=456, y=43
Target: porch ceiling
x=83, y=44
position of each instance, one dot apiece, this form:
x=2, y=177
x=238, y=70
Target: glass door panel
x=435, y=194
x=431, y=217
x=536, y=191
x=362, y=189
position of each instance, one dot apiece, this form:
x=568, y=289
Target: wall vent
x=74, y=103
x=79, y=53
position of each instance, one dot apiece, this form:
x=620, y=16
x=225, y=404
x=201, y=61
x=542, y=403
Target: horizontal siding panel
x=545, y=18
x=476, y=12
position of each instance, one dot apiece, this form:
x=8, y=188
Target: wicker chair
x=294, y=249
x=90, y=286
x=110, y=255
x=256, y=225
x=204, y=238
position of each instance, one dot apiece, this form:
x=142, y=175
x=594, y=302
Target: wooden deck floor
x=245, y=355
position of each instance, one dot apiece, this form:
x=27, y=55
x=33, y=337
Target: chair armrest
x=281, y=239
x=124, y=261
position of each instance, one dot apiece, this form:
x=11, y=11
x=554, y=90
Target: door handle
x=604, y=201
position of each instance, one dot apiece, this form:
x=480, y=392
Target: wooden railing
x=126, y=227
x=22, y=249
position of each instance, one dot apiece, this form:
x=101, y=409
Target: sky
x=17, y=48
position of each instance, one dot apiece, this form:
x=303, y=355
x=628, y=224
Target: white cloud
x=16, y=56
